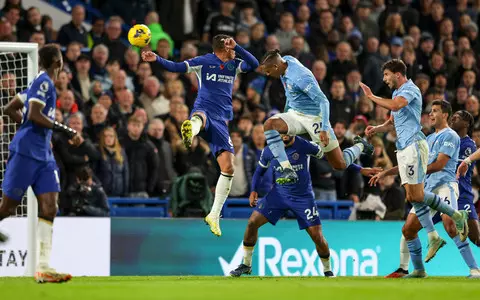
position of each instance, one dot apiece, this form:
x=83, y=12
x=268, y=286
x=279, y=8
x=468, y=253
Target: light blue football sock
x=415, y=249
x=466, y=253
x=438, y=204
x=352, y=154
x=275, y=143
x=423, y=214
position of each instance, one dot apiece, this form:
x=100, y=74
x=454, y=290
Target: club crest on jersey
x=468, y=151
x=295, y=156
x=230, y=67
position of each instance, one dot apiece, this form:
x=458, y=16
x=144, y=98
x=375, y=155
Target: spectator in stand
x=270, y=12
x=223, y=22
x=99, y=62
x=245, y=163
x=97, y=122
x=346, y=27
x=319, y=35
x=12, y=14
x=32, y=24
x=18, y=3
x=95, y=35
x=179, y=19
x=66, y=104
x=393, y=196
x=469, y=80
x=81, y=80
x=467, y=63
x=396, y=47
x=74, y=31
x=76, y=157
x=303, y=17
x=47, y=27
x=409, y=58
x=38, y=37
x=341, y=108
x=352, y=82
x=257, y=40
x=286, y=31
x=427, y=44
x=6, y=34
x=112, y=168
x=472, y=106
x=132, y=59
x=245, y=125
x=111, y=39
x=71, y=55
x=342, y=64
x=120, y=81
x=8, y=87
x=152, y=100
x=297, y=51
x=247, y=16
x=152, y=20
x=319, y=70
x=143, y=163
x=144, y=71
x=164, y=49
x=367, y=27
x=123, y=109
x=461, y=96
x=440, y=83
x=62, y=84
x=166, y=172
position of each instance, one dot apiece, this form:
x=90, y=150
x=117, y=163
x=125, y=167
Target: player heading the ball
x=216, y=73
x=31, y=161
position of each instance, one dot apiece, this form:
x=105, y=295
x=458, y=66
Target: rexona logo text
x=276, y=261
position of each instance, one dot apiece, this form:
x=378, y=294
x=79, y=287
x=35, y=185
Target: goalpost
x=18, y=67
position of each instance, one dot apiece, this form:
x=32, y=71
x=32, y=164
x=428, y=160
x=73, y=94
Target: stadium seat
x=325, y=213
x=238, y=213
x=138, y=207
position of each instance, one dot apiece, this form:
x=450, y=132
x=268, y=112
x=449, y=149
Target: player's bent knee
x=408, y=233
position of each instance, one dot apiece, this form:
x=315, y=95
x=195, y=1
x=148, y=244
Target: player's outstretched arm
x=394, y=104
x=14, y=109
x=385, y=127
x=168, y=65
x=463, y=167
x=373, y=181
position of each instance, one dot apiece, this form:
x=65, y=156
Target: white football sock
x=222, y=190
x=247, y=255
x=196, y=125
x=326, y=264
x=404, y=254
x=44, y=243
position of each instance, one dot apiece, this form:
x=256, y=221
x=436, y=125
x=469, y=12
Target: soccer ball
x=139, y=35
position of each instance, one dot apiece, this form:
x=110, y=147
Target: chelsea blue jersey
x=298, y=155
x=215, y=84
x=445, y=141
x=407, y=119
x=303, y=92
x=467, y=147
x=30, y=139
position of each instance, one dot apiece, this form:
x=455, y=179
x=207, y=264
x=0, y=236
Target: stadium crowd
x=130, y=111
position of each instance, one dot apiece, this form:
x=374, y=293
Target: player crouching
x=297, y=197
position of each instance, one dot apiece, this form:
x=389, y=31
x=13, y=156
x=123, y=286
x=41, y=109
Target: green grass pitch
x=225, y=288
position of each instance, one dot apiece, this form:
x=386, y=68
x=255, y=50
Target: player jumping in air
x=412, y=153
x=31, y=162
x=307, y=111
x=212, y=110
x=297, y=197
x=461, y=122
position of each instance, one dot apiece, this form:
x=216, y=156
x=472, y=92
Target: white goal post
x=18, y=67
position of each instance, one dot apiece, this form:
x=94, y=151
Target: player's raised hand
x=374, y=180
x=462, y=169
x=370, y=172
x=230, y=43
x=324, y=139
x=253, y=199
x=76, y=140
x=149, y=56
x=370, y=131
x=366, y=90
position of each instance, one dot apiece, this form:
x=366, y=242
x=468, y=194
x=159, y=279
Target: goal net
x=18, y=67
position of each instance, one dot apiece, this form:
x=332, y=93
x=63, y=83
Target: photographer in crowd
x=85, y=197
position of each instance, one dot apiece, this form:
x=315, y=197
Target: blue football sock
x=415, y=249
x=438, y=204
x=466, y=253
x=275, y=143
x=423, y=214
x=351, y=154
